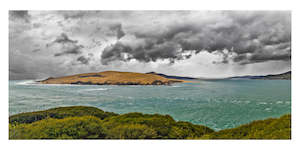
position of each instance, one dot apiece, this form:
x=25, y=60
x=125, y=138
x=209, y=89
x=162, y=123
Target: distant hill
x=112, y=78
x=282, y=76
x=172, y=77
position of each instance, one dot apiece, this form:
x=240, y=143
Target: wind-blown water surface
x=217, y=104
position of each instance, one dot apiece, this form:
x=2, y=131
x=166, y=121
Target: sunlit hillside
x=112, y=78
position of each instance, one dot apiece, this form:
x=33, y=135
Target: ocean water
x=217, y=104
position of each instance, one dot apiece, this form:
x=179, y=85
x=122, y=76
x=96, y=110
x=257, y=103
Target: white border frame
x=149, y=5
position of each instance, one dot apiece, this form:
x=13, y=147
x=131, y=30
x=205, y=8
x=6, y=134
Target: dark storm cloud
x=262, y=36
x=114, y=52
x=239, y=58
x=143, y=53
x=261, y=58
x=83, y=60
x=67, y=45
x=19, y=14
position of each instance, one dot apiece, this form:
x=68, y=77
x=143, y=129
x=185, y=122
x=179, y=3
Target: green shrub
x=79, y=122
x=131, y=131
x=187, y=130
x=126, y=126
x=263, y=129
x=87, y=127
x=164, y=126
x=59, y=113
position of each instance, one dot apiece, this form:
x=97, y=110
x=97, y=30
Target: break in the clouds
x=195, y=43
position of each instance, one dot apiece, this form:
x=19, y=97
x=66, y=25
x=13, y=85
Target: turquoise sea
x=217, y=104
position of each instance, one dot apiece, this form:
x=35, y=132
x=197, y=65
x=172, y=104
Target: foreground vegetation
x=271, y=128
x=81, y=122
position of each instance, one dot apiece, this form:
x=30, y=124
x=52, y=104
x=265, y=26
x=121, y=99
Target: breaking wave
x=27, y=82
x=97, y=89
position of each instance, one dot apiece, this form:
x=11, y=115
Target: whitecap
x=262, y=103
x=27, y=82
x=175, y=86
x=97, y=89
x=267, y=109
x=43, y=84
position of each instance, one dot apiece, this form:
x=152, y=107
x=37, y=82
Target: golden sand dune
x=112, y=78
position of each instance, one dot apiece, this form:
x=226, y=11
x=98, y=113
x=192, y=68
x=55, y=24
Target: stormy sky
x=208, y=44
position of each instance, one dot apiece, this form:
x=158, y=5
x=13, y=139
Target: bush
x=164, y=126
x=131, y=131
x=263, y=129
x=81, y=122
x=87, y=127
x=186, y=130
x=59, y=113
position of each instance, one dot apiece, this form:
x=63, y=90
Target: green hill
x=81, y=122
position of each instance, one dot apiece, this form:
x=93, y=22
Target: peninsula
x=112, y=78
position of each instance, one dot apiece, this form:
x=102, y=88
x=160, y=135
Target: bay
x=218, y=104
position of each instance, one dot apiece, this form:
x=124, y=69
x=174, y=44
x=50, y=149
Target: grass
x=81, y=122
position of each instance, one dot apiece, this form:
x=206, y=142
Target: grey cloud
x=68, y=46
x=276, y=52
x=19, y=14
x=83, y=60
x=77, y=14
x=114, y=52
x=259, y=39
x=143, y=53
x=240, y=58
x=107, y=14
x=63, y=38
x=261, y=58
x=36, y=50
x=241, y=32
x=75, y=49
x=109, y=30
x=118, y=29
